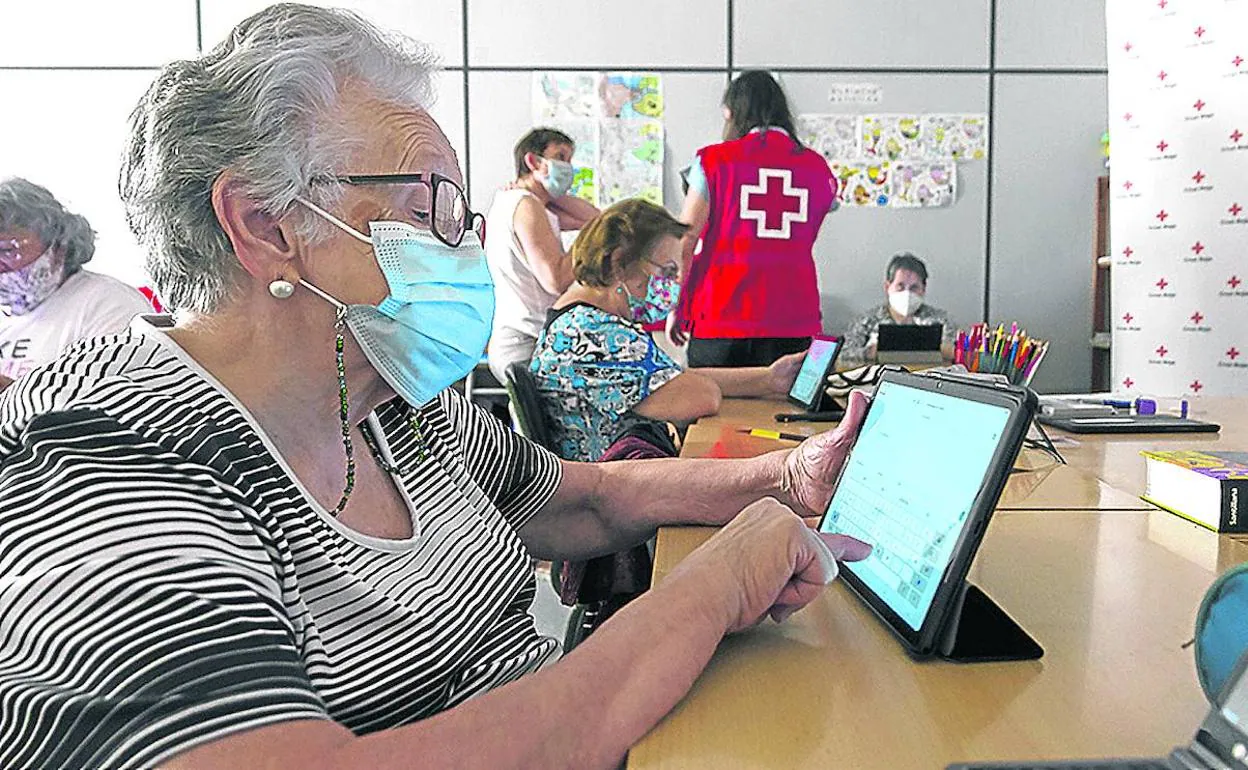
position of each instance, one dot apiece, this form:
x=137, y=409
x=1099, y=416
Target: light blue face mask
x=432, y=328
x=559, y=177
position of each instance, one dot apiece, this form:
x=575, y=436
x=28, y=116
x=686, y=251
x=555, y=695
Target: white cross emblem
x=775, y=201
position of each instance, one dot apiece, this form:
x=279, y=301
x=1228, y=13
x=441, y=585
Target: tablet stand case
x=978, y=631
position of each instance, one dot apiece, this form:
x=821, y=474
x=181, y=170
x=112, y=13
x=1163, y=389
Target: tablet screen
x=908, y=487
x=814, y=368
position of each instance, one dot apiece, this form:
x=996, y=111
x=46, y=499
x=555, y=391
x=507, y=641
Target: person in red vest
x=756, y=203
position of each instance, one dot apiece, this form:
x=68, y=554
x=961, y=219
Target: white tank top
x=520, y=301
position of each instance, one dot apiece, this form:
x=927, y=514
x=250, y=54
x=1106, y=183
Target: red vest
x=755, y=275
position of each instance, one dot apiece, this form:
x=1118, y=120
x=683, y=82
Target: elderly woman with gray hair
x=47, y=301
x=272, y=536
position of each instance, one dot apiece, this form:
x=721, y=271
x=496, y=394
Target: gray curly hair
x=264, y=105
x=25, y=205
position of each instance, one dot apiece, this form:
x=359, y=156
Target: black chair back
x=526, y=401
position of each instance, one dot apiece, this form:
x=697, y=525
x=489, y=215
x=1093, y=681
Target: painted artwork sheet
x=924, y=184
x=961, y=137
x=832, y=136
x=632, y=95
x=863, y=183
x=891, y=137
x=630, y=160
x=561, y=95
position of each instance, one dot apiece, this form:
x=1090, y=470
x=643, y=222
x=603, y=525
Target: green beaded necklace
x=413, y=419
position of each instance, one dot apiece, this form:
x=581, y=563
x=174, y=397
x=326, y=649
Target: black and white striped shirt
x=166, y=581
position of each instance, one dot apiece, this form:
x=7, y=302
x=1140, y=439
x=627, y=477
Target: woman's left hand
x=780, y=375
x=810, y=471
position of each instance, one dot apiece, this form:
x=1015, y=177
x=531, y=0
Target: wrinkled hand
x=810, y=471
x=675, y=333
x=766, y=561
x=783, y=371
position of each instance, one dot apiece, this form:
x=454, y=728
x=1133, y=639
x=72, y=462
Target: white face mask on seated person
x=905, y=303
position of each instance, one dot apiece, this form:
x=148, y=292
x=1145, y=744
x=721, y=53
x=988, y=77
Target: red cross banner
x=1178, y=124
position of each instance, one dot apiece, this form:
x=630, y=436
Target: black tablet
x=812, y=378
x=1129, y=423
x=920, y=485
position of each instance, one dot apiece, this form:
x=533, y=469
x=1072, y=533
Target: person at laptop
x=905, y=291
x=522, y=243
x=597, y=369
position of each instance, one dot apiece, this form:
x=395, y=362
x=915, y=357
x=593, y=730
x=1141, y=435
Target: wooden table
x=1106, y=583
x=1110, y=596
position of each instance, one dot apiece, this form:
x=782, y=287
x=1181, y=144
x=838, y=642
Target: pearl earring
x=281, y=288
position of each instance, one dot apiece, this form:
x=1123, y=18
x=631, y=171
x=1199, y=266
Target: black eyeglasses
x=444, y=209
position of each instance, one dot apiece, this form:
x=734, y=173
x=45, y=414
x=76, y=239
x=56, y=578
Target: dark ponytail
x=756, y=100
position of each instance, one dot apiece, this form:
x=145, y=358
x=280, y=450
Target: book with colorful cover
x=1203, y=487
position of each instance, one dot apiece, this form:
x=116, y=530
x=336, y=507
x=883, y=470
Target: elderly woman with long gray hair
x=47, y=300
x=272, y=535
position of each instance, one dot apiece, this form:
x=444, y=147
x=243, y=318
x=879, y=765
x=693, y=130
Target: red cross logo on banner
x=1161, y=146
x=1236, y=135
x=1199, y=105
x=1162, y=4
x=1127, y=117
x=1197, y=248
x=1127, y=252
x=1235, y=209
x=1127, y=185
x=1233, y=282
x=1162, y=75
x=1162, y=283
x=781, y=202
x=1238, y=60
x=1198, y=177
x=1199, y=32
x=1196, y=386
x=1127, y=383
x=1196, y=317
x=1161, y=351
x=1162, y=215
x=1127, y=47
x=1127, y=318
x=1233, y=353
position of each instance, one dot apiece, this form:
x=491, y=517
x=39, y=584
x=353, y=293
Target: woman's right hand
x=675, y=330
x=766, y=561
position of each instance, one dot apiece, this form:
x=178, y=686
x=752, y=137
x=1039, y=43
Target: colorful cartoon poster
x=632, y=95
x=832, y=136
x=559, y=95
x=630, y=160
x=891, y=137
x=924, y=184
x=961, y=137
x=863, y=183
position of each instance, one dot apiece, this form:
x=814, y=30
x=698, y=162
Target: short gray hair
x=27, y=206
x=264, y=105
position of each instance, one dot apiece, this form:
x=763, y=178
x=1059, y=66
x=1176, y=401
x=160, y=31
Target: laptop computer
x=909, y=343
x=809, y=386
x=1220, y=742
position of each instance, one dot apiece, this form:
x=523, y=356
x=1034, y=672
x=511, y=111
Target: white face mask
x=905, y=303
x=23, y=290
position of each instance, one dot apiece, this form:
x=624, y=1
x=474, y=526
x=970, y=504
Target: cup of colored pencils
x=1001, y=351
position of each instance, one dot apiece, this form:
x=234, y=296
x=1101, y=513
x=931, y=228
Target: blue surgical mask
x=559, y=177
x=661, y=295
x=431, y=330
